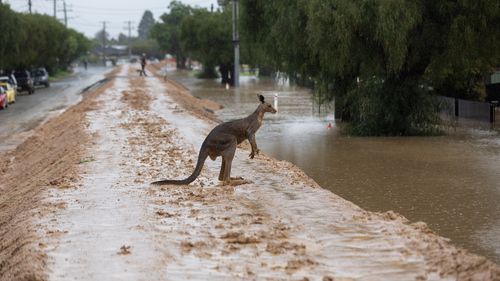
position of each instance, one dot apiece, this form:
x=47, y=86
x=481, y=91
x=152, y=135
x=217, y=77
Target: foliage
x=101, y=36
x=206, y=37
x=145, y=25
x=122, y=39
x=167, y=32
x=202, y=35
x=10, y=46
x=401, y=44
x=252, y=50
x=149, y=47
x=377, y=108
x=37, y=40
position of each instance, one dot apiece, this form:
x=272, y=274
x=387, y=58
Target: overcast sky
x=87, y=16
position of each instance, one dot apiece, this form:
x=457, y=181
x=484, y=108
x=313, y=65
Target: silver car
x=40, y=77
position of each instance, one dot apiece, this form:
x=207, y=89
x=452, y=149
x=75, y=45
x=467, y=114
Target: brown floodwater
x=451, y=182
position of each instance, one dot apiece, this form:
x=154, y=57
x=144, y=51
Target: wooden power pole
x=236, y=43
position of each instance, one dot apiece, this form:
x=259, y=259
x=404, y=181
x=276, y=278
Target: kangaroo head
x=265, y=106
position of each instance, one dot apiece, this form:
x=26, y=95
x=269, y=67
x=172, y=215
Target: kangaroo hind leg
x=223, y=171
x=228, y=156
x=227, y=161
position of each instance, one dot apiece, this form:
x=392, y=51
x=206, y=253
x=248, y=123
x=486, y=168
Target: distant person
x=85, y=64
x=143, y=65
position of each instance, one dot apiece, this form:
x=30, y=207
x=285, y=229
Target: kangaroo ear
x=261, y=98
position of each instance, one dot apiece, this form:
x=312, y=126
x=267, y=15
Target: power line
x=93, y=9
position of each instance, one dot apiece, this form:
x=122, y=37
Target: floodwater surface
x=451, y=182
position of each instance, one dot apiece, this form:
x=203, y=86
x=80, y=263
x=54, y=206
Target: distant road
x=29, y=111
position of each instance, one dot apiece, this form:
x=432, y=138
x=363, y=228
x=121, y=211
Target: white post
x=276, y=101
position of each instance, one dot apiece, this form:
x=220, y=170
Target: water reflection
x=451, y=182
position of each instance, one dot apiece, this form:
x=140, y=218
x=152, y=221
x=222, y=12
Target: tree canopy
x=37, y=40
x=397, y=48
x=206, y=36
x=167, y=32
x=147, y=21
x=199, y=34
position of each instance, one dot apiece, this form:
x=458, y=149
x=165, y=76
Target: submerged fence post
x=456, y=107
x=493, y=105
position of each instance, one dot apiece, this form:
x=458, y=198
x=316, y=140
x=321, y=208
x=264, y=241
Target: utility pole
x=236, y=43
x=104, y=43
x=55, y=6
x=65, y=14
x=65, y=10
x=129, y=23
x=29, y=5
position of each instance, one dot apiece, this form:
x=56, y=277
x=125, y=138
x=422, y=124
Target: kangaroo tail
x=199, y=165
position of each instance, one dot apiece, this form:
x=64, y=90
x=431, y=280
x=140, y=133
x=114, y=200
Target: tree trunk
x=180, y=62
x=224, y=73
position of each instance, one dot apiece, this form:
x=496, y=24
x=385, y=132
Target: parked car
x=7, y=79
x=3, y=99
x=24, y=81
x=40, y=76
x=9, y=91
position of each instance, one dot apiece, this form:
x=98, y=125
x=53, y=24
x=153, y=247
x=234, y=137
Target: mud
x=46, y=160
x=89, y=212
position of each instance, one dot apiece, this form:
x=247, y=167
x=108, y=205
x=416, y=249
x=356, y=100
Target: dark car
x=40, y=77
x=24, y=81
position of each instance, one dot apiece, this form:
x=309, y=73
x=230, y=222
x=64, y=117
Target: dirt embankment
x=180, y=94
x=48, y=159
x=281, y=227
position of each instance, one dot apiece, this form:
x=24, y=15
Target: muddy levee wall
x=47, y=160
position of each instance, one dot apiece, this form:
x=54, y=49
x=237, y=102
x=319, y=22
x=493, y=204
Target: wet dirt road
x=30, y=111
x=111, y=224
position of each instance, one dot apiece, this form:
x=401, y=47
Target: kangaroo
x=222, y=141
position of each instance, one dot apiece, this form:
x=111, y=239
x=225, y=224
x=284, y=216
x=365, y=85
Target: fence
x=481, y=111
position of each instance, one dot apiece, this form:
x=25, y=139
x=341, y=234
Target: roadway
x=19, y=119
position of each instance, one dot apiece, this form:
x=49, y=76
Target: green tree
x=206, y=36
x=9, y=44
x=167, y=32
x=255, y=47
x=100, y=36
x=395, y=47
x=37, y=40
x=149, y=47
x=145, y=25
x=122, y=38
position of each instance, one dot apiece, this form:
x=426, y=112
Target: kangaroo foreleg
x=255, y=150
x=222, y=168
